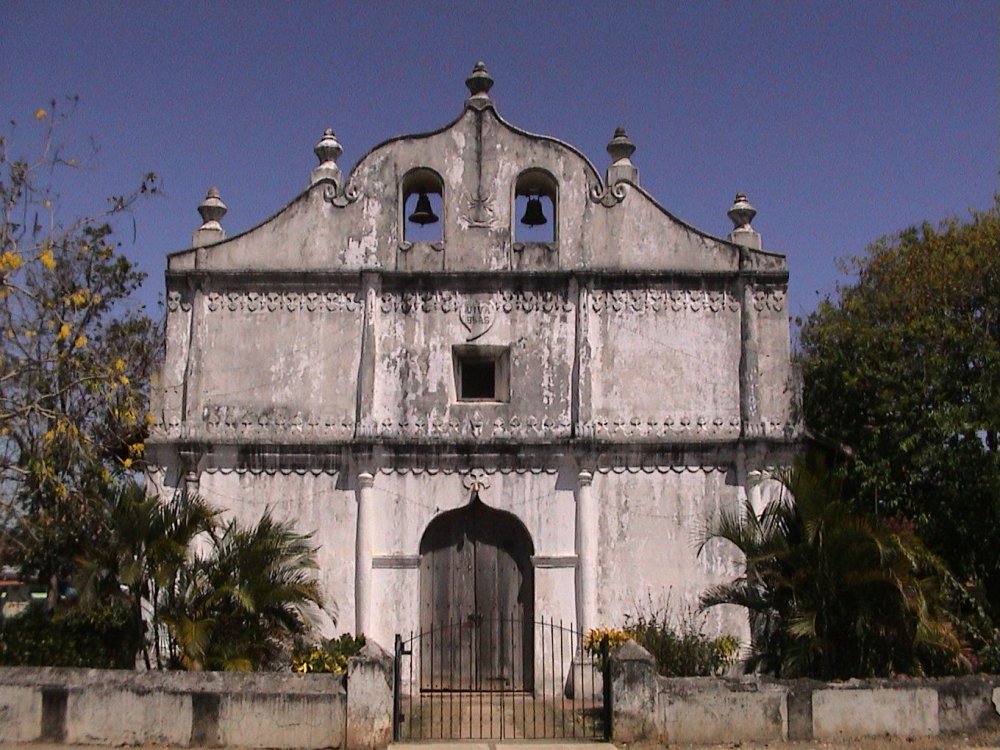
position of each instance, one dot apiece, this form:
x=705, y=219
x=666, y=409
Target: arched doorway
x=477, y=594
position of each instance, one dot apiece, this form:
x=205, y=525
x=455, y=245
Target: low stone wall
x=204, y=709
x=711, y=710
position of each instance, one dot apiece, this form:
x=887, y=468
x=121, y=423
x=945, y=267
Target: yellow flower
x=123, y=379
x=9, y=261
x=48, y=259
x=119, y=365
x=41, y=114
x=63, y=332
x=127, y=463
x=80, y=342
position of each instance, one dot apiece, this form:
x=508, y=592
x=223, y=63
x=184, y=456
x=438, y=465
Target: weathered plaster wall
x=415, y=373
x=285, y=359
x=637, y=234
x=650, y=528
x=683, y=339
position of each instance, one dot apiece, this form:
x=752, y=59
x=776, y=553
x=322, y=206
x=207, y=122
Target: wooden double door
x=477, y=601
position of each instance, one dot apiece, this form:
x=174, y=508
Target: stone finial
x=212, y=209
x=328, y=150
x=479, y=84
x=621, y=149
x=741, y=213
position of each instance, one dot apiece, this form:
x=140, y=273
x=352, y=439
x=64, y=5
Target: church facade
x=493, y=381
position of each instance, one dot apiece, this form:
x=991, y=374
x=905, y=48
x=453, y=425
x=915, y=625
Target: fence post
x=369, y=698
x=606, y=684
x=396, y=684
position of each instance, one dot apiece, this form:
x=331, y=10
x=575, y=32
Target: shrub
x=329, y=655
x=104, y=638
x=682, y=651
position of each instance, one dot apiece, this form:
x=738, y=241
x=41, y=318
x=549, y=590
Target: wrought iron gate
x=500, y=679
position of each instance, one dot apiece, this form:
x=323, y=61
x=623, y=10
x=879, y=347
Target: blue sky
x=842, y=121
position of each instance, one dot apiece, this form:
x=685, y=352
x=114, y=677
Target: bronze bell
x=533, y=215
x=423, y=213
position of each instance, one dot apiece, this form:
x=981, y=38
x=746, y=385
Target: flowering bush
x=328, y=656
x=682, y=651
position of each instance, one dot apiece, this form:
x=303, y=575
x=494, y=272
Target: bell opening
x=422, y=210
x=535, y=218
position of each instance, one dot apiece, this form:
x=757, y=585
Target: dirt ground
x=978, y=741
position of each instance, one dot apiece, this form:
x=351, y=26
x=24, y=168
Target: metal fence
x=500, y=679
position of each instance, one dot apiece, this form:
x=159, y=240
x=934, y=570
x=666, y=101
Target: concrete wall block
x=281, y=720
x=966, y=703
x=720, y=714
x=20, y=713
x=860, y=712
x=369, y=698
x=113, y=715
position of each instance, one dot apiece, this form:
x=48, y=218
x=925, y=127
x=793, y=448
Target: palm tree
x=239, y=605
x=832, y=594
x=140, y=546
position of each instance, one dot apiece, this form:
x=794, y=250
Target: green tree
x=76, y=358
x=902, y=366
x=831, y=593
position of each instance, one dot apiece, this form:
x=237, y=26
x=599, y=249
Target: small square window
x=482, y=373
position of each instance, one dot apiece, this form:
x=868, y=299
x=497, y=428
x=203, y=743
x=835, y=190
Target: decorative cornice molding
x=477, y=427
x=220, y=419
x=769, y=299
x=668, y=426
x=656, y=300
x=273, y=301
x=178, y=301
x=288, y=425
x=448, y=301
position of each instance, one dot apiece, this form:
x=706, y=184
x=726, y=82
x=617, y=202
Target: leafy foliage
x=76, y=360
x=219, y=595
x=141, y=545
x=903, y=367
x=329, y=655
x=834, y=594
x=683, y=651
x=103, y=638
x=240, y=603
